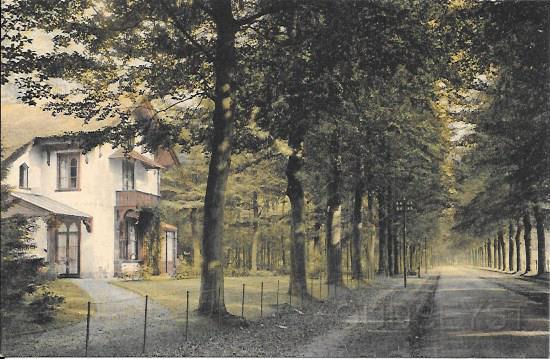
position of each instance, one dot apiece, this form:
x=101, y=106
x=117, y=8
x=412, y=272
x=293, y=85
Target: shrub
x=184, y=269
x=21, y=274
x=43, y=307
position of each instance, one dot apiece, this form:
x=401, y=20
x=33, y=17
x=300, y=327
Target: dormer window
x=128, y=181
x=24, y=176
x=68, y=171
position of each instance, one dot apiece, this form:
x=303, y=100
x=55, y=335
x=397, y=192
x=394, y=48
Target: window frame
x=126, y=246
x=24, y=169
x=126, y=164
x=65, y=237
x=70, y=157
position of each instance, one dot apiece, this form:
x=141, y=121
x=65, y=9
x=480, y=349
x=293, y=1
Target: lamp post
x=404, y=206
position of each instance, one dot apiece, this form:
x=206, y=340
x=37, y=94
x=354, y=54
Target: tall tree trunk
x=218, y=170
x=197, y=258
x=511, y=247
x=500, y=240
x=518, y=246
x=334, y=243
x=527, y=239
x=489, y=257
x=371, y=235
x=357, y=223
x=255, y=234
x=390, y=238
x=295, y=193
x=495, y=253
x=334, y=215
x=382, y=242
x=541, y=241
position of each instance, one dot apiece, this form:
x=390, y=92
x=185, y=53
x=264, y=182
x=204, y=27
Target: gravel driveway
x=116, y=327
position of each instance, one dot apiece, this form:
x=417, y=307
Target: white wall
x=100, y=178
x=33, y=159
x=40, y=237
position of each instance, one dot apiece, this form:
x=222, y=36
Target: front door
x=68, y=249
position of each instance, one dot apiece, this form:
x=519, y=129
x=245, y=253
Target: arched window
x=129, y=242
x=67, y=248
x=67, y=171
x=61, y=253
x=24, y=176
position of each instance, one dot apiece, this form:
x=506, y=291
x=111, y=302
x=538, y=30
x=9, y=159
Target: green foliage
x=21, y=273
x=511, y=153
x=149, y=225
x=43, y=307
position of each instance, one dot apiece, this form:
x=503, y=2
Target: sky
x=20, y=123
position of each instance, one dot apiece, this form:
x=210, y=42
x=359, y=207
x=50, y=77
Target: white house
x=89, y=206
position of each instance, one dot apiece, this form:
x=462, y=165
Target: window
x=128, y=182
x=24, y=176
x=68, y=171
x=129, y=245
x=67, y=248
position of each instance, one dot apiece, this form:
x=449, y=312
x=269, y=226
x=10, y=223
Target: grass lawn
x=72, y=310
x=171, y=293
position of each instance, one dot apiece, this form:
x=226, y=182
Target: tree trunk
x=334, y=215
x=527, y=239
x=197, y=258
x=334, y=244
x=500, y=240
x=254, y=249
x=372, y=232
x=214, y=202
x=511, y=247
x=382, y=244
x=518, y=246
x=357, y=224
x=489, y=257
x=495, y=253
x=541, y=241
x=389, y=232
x=295, y=194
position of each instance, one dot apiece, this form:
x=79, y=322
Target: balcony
x=136, y=199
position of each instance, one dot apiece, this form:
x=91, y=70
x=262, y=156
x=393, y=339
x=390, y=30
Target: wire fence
x=138, y=325
x=150, y=317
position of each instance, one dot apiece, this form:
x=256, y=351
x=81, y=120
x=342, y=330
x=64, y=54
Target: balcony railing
x=136, y=199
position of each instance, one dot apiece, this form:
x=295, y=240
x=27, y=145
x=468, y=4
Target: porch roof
x=49, y=205
x=147, y=162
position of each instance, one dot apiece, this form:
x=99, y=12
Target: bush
x=237, y=272
x=21, y=274
x=43, y=307
x=184, y=269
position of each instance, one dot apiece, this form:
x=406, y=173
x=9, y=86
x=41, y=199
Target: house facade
x=88, y=207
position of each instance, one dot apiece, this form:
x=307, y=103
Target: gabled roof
x=49, y=205
x=147, y=162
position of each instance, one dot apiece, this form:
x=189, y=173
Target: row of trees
x=509, y=154
x=351, y=100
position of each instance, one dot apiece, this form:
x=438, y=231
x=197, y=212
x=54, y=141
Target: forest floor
x=431, y=317
x=320, y=328
x=117, y=325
